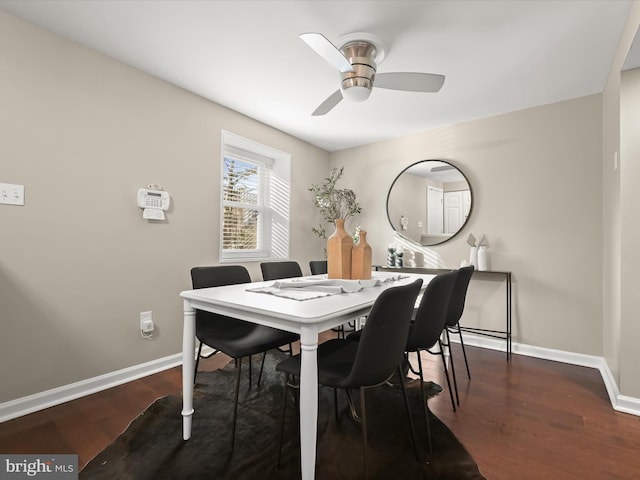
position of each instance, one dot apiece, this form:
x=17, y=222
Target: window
x=255, y=191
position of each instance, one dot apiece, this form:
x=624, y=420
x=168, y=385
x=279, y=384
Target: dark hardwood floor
x=537, y=419
x=527, y=419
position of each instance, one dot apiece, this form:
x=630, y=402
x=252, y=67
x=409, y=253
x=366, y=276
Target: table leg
x=308, y=401
x=509, y=307
x=188, y=364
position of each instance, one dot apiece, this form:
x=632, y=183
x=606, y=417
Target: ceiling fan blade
x=326, y=106
x=409, y=81
x=327, y=50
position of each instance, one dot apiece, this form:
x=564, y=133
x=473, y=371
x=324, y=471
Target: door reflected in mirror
x=429, y=202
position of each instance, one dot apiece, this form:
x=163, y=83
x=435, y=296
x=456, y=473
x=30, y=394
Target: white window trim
x=275, y=229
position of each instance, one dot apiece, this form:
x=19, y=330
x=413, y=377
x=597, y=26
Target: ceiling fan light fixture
x=356, y=89
x=356, y=94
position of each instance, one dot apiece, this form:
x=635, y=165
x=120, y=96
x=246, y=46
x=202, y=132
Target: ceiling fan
x=356, y=59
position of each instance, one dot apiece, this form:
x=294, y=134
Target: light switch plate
x=11, y=194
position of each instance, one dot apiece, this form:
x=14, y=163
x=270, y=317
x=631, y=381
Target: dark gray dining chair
x=454, y=313
x=365, y=364
x=318, y=267
x=234, y=337
x=279, y=270
x=425, y=331
x=427, y=328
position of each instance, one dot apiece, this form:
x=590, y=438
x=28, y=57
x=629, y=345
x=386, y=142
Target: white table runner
x=306, y=288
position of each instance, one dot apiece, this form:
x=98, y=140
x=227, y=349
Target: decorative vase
x=391, y=256
x=473, y=256
x=482, y=258
x=339, y=246
x=361, y=259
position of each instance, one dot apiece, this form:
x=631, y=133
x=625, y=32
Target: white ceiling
x=498, y=56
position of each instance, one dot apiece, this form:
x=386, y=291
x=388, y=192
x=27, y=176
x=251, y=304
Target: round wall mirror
x=429, y=202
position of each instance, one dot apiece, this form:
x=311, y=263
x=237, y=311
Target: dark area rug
x=152, y=447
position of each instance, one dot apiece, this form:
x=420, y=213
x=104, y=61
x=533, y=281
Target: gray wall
x=621, y=232
x=630, y=246
x=77, y=262
x=536, y=181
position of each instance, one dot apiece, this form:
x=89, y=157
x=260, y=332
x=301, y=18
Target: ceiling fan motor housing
x=356, y=86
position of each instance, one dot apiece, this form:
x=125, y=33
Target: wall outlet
x=146, y=322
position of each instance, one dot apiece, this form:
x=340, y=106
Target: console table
x=500, y=334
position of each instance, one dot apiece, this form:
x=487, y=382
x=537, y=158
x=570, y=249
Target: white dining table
x=308, y=318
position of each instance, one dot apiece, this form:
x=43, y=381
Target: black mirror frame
x=417, y=163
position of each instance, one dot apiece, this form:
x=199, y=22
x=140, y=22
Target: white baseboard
x=56, y=396
x=49, y=398
x=621, y=403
